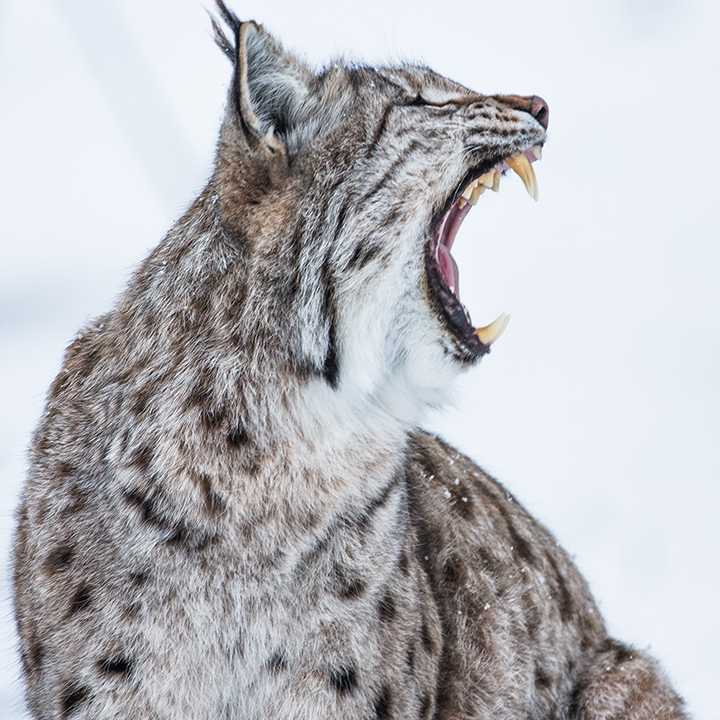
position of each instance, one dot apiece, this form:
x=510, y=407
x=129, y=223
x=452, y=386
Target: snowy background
x=600, y=407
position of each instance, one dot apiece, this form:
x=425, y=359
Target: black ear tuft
x=228, y=16
x=228, y=47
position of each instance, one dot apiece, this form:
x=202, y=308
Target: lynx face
x=377, y=167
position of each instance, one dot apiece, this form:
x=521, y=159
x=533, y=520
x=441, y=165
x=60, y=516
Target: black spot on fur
x=386, y=607
x=383, y=704
x=425, y=707
x=81, y=599
x=463, y=503
x=140, y=401
x=178, y=533
x=214, y=504
x=59, y=558
x=426, y=638
x=139, y=578
x=237, y=437
x=142, y=457
x=344, y=680
x=212, y=418
x=143, y=503
x=453, y=573
x=349, y=588
x=130, y=611
x=542, y=679
x=532, y=614
x=77, y=498
x=72, y=697
x=65, y=470
x=410, y=659
x=277, y=662
x=118, y=665
x=36, y=653
x=500, y=504
x=566, y=604
x=622, y=653
x=574, y=705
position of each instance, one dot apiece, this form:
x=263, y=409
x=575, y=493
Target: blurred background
x=599, y=408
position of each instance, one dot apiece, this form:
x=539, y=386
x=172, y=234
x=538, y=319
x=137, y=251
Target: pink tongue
x=448, y=268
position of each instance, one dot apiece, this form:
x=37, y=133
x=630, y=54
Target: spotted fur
x=229, y=512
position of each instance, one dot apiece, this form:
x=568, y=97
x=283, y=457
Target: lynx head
x=347, y=186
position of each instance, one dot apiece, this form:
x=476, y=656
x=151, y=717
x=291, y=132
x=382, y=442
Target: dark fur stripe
x=383, y=704
x=382, y=125
x=177, y=533
x=567, y=607
x=391, y=171
x=330, y=371
x=360, y=521
x=119, y=665
x=344, y=680
x=363, y=255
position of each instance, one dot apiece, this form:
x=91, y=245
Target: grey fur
x=229, y=513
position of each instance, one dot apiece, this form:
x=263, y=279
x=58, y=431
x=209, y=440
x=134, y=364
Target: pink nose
x=539, y=110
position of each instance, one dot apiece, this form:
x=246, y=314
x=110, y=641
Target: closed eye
x=420, y=101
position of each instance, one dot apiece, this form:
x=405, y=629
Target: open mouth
x=443, y=273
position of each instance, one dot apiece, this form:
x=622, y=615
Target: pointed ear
x=270, y=84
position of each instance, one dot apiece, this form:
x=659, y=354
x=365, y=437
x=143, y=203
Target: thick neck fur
x=207, y=380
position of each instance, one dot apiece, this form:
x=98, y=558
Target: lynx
x=231, y=512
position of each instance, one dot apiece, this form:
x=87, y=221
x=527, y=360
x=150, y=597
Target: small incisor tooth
x=468, y=191
x=487, y=179
x=490, y=333
x=496, y=181
x=521, y=165
x=478, y=190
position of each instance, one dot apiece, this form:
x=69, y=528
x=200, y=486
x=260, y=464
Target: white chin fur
x=391, y=344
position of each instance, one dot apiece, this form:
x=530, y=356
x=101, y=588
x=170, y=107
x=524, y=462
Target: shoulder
x=439, y=473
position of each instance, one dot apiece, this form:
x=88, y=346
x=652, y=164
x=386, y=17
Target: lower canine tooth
x=521, y=165
x=490, y=333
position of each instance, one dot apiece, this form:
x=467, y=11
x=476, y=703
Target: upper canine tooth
x=487, y=179
x=490, y=333
x=521, y=165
